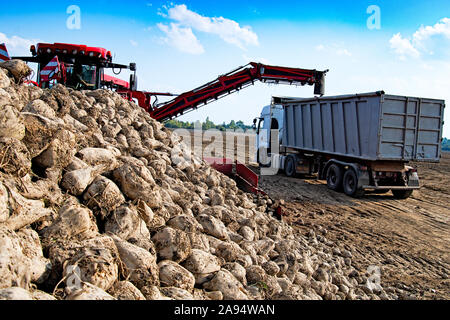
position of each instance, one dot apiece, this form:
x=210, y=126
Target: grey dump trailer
x=357, y=143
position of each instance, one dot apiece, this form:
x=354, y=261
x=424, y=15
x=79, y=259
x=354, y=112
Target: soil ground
x=408, y=239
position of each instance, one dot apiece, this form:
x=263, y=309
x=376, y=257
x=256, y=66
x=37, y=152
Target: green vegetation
x=446, y=145
x=208, y=124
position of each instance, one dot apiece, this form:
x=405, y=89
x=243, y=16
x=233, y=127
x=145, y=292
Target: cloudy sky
x=402, y=47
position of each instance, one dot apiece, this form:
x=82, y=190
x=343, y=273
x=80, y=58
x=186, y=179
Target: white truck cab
x=272, y=118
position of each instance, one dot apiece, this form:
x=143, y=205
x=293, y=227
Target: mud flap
x=363, y=179
x=413, y=180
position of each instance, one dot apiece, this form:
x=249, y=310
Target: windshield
x=89, y=74
x=83, y=76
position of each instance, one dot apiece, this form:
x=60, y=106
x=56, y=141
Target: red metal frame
x=100, y=53
x=115, y=81
x=245, y=178
x=223, y=165
x=34, y=83
x=230, y=83
x=224, y=85
x=247, y=174
x=144, y=98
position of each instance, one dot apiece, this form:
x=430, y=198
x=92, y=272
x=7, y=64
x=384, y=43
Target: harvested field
x=408, y=239
x=213, y=143
x=98, y=201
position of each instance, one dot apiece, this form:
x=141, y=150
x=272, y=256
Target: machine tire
x=402, y=194
x=350, y=184
x=289, y=166
x=334, y=177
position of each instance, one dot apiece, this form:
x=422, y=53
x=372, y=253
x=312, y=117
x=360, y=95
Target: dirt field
x=218, y=144
x=408, y=239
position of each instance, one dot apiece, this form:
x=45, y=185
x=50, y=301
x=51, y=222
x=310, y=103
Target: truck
x=357, y=142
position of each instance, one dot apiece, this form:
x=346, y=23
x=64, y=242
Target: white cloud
x=255, y=59
x=423, y=41
x=403, y=47
x=228, y=30
x=320, y=47
x=343, y=52
x=134, y=43
x=424, y=33
x=334, y=48
x=181, y=38
x=17, y=45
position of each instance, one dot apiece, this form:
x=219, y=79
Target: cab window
x=89, y=74
x=83, y=76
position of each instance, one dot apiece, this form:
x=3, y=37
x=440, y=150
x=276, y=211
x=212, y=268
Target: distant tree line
x=235, y=125
x=446, y=144
x=208, y=124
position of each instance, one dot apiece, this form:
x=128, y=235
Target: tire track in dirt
x=409, y=238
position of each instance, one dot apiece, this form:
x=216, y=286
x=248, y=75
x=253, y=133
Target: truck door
x=262, y=134
x=262, y=140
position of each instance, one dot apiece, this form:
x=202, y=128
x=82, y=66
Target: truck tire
x=334, y=177
x=350, y=184
x=289, y=166
x=402, y=194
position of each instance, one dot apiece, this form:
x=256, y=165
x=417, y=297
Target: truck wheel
x=350, y=184
x=289, y=166
x=334, y=177
x=402, y=194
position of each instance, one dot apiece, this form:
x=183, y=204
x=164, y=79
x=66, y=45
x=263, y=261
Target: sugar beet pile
x=99, y=201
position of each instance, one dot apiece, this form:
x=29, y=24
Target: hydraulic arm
x=95, y=60
x=235, y=81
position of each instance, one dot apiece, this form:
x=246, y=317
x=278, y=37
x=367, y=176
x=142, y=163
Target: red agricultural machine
x=83, y=68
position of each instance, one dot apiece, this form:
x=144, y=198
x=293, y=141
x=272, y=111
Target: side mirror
x=133, y=66
x=254, y=123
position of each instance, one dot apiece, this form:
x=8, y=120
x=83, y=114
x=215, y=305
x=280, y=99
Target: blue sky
x=181, y=45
